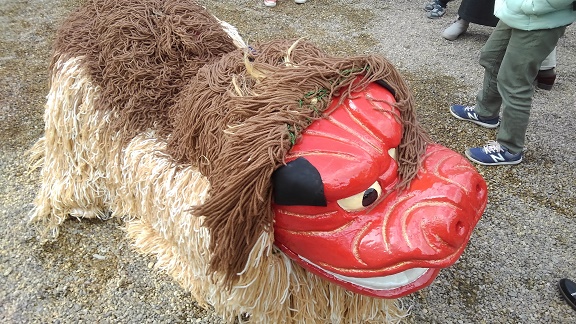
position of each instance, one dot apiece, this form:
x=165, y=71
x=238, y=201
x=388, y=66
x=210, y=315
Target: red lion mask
x=338, y=212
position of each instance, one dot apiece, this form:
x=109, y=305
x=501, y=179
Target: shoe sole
x=450, y=37
x=430, y=15
x=477, y=122
x=544, y=86
x=491, y=164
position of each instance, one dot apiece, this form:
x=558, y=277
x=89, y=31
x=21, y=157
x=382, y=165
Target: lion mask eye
x=361, y=200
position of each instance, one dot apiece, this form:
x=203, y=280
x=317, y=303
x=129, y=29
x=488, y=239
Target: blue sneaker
x=468, y=113
x=493, y=154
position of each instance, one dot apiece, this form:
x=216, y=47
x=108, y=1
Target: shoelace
x=492, y=147
x=469, y=108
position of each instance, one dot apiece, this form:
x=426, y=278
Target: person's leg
x=525, y=52
x=488, y=100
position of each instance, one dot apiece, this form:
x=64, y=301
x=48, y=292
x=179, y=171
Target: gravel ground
x=508, y=274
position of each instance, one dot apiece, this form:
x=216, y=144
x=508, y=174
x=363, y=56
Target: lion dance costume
x=274, y=182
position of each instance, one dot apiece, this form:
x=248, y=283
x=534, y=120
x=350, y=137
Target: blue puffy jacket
x=535, y=14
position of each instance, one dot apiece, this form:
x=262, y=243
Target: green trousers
x=511, y=59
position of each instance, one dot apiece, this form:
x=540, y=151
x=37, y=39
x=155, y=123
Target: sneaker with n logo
x=469, y=113
x=493, y=154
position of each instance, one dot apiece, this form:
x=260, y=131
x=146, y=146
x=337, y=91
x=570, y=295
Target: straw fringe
x=72, y=153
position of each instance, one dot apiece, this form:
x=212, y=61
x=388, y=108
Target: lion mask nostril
x=481, y=189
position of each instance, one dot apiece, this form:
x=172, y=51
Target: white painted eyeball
x=361, y=200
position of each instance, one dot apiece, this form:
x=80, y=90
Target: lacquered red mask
x=338, y=214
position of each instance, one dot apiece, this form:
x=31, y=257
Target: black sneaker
x=469, y=113
x=568, y=290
